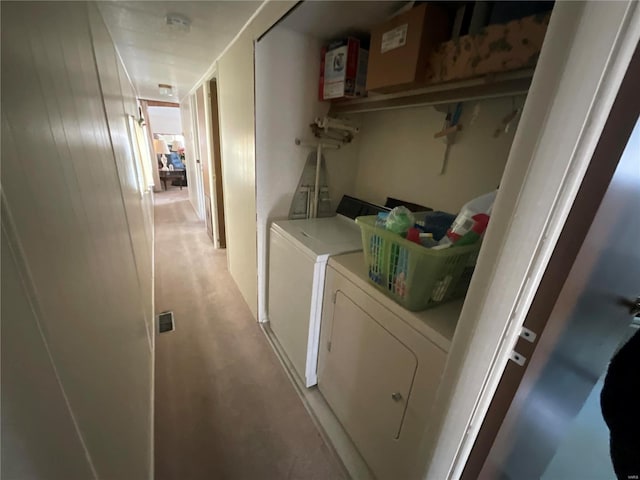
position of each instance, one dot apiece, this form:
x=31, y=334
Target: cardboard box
x=498, y=48
x=343, y=70
x=401, y=47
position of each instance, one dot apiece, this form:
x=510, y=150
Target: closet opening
x=382, y=137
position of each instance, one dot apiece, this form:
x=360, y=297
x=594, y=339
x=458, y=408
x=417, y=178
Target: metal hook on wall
x=508, y=120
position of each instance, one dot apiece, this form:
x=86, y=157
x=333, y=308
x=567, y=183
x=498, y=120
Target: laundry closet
x=372, y=365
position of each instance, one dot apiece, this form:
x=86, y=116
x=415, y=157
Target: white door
x=555, y=427
x=196, y=183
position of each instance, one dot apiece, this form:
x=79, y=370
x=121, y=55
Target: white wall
x=237, y=134
x=77, y=326
x=119, y=101
x=288, y=71
x=165, y=120
x=29, y=419
x=399, y=157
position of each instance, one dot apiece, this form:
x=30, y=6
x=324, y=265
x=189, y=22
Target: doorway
x=217, y=166
x=207, y=128
x=194, y=164
x=545, y=420
x=203, y=149
x=165, y=127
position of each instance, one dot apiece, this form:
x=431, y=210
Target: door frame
x=204, y=143
x=573, y=90
x=217, y=198
x=197, y=182
x=211, y=166
x=611, y=146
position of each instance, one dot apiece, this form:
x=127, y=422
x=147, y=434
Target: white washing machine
x=298, y=255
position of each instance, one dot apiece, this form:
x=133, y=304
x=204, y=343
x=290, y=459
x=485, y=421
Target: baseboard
x=330, y=429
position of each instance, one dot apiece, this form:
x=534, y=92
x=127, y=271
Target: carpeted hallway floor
x=224, y=408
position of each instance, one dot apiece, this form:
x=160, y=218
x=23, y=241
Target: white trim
x=211, y=71
x=315, y=319
x=585, y=56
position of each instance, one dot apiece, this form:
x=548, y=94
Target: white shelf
x=490, y=86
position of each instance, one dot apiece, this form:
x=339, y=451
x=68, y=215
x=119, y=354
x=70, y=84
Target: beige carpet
x=224, y=408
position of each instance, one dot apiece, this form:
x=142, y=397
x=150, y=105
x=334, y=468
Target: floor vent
x=165, y=322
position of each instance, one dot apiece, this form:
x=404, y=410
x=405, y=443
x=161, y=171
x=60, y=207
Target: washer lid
x=323, y=236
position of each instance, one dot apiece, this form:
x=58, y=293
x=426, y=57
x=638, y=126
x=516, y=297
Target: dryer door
x=366, y=378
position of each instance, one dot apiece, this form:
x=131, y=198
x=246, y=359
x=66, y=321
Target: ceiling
x=153, y=52
x=329, y=20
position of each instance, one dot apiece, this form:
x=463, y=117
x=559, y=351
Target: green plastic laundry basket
x=414, y=276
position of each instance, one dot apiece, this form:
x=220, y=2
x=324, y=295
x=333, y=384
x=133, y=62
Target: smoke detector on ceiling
x=178, y=22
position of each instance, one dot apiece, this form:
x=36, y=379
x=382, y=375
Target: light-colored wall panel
x=237, y=131
x=39, y=439
x=399, y=157
x=115, y=98
x=144, y=262
x=69, y=182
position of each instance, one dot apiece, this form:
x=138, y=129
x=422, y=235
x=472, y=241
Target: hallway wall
x=77, y=309
x=236, y=87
